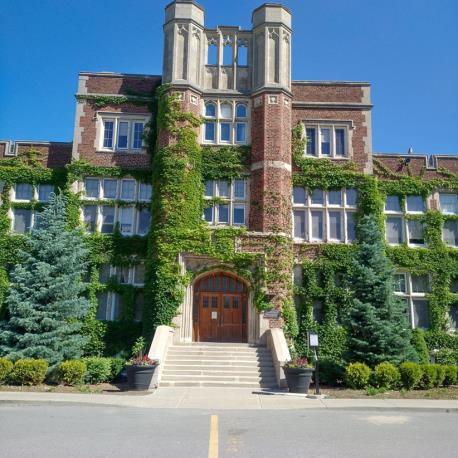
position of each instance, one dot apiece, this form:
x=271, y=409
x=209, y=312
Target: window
x=127, y=189
x=108, y=219
x=225, y=123
x=413, y=289
x=144, y=192
x=321, y=216
x=139, y=274
x=91, y=186
x=22, y=220
x=453, y=317
x=90, y=217
x=23, y=191
x=327, y=140
x=398, y=227
x=448, y=203
x=44, y=192
x=227, y=55
x=137, y=141
x=108, y=129
x=109, y=306
x=454, y=285
x=104, y=273
x=138, y=306
x=317, y=311
x=231, y=208
x=122, y=133
x=297, y=275
x=450, y=233
x=126, y=220
x=242, y=55
x=110, y=188
x=144, y=217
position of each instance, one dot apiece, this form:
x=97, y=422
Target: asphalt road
x=85, y=431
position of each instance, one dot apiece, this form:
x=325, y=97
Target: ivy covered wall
x=180, y=168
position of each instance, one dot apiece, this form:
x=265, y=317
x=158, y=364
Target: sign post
x=314, y=344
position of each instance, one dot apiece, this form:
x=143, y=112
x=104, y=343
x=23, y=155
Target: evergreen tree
x=378, y=328
x=45, y=301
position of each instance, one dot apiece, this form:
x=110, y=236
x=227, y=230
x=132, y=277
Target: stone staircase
x=218, y=365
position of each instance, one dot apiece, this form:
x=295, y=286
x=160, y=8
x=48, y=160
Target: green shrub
x=71, y=372
x=116, y=367
x=98, y=369
x=411, y=374
x=29, y=372
x=357, y=375
x=419, y=343
x=331, y=373
x=445, y=356
x=386, y=376
x=451, y=375
x=428, y=379
x=6, y=366
x=440, y=375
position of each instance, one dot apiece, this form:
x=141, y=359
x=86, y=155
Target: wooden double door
x=220, y=309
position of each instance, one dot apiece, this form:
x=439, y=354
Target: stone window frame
x=307, y=208
x=450, y=216
x=135, y=221
x=35, y=192
x=12, y=217
x=333, y=124
x=218, y=119
x=101, y=180
x=232, y=201
x=117, y=118
x=402, y=214
x=410, y=296
x=113, y=306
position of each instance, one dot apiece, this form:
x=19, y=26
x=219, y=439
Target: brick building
x=239, y=81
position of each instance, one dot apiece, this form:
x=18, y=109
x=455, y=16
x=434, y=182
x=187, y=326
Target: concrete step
x=186, y=383
x=231, y=350
x=217, y=378
x=236, y=371
x=221, y=357
x=218, y=362
x=217, y=344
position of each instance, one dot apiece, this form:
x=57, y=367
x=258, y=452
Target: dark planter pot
x=298, y=379
x=139, y=377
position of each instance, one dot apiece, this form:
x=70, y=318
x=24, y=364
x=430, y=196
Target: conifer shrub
x=440, y=375
x=99, y=369
x=451, y=375
x=386, y=375
x=357, y=375
x=71, y=372
x=6, y=366
x=331, y=372
x=428, y=379
x=411, y=375
x=29, y=372
x=419, y=343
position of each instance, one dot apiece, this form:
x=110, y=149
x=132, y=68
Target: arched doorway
x=220, y=309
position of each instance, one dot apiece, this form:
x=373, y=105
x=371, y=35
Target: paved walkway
x=223, y=399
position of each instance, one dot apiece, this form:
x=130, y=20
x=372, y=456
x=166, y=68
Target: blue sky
x=407, y=49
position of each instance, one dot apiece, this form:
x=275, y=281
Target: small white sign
x=214, y=315
x=313, y=340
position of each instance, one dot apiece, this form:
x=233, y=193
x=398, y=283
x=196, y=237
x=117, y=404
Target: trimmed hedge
x=411, y=375
x=386, y=375
x=357, y=375
x=6, y=366
x=451, y=375
x=429, y=376
x=29, y=372
x=71, y=372
x=99, y=369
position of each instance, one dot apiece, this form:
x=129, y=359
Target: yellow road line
x=213, y=442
